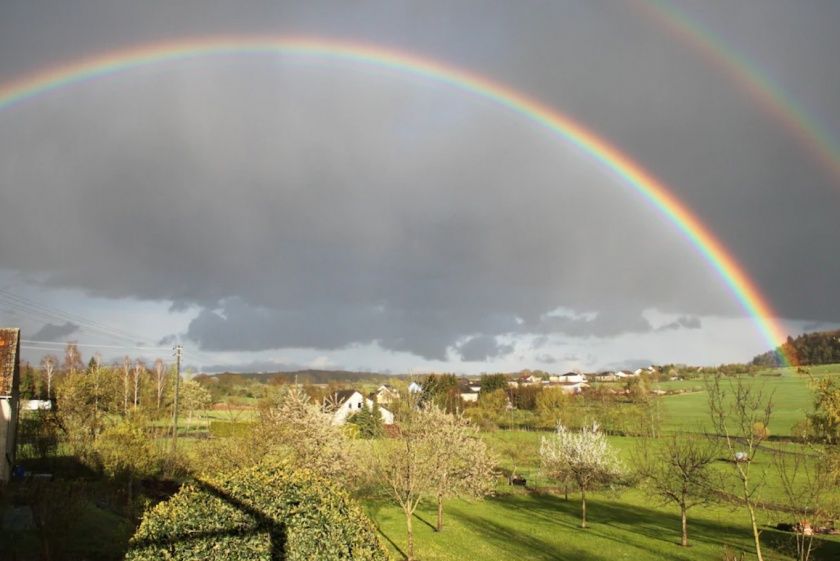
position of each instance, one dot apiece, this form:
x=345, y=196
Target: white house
x=568, y=378
x=37, y=405
x=468, y=394
x=386, y=394
x=345, y=403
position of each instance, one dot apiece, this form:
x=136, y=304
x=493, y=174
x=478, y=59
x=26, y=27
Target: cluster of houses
x=344, y=403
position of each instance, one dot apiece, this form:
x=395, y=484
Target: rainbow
x=620, y=164
x=757, y=85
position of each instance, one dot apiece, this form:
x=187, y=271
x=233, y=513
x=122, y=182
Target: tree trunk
x=583, y=508
x=756, y=533
x=684, y=526
x=440, y=513
x=409, y=549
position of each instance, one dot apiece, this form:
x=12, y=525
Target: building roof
x=341, y=396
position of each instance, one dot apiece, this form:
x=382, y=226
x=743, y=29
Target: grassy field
x=792, y=399
x=523, y=525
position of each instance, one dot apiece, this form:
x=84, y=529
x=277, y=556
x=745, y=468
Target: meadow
x=537, y=522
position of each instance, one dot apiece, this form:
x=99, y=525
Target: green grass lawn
x=523, y=525
x=792, y=399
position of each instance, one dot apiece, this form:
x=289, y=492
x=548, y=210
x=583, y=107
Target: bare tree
x=584, y=457
x=48, y=363
x=137, y=373
x=463, y=467
x=808, y=486
x=407, y=466
x=126, y=369
x=678, y=472
x=740, y=414
x=160, y=377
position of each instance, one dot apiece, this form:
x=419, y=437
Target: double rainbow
x=630, y=172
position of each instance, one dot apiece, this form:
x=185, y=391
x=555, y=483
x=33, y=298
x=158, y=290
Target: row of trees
x=821, y=347
x=687, y=470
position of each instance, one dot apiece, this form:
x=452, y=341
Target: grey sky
x=300, y=210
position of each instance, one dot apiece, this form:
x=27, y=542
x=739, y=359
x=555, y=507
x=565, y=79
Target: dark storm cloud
x=52, y=332
x=482, y=347
x=301, y=203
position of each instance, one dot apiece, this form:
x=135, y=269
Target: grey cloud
x=53, y=332
x=326, y=204
x=546, y=358
x=168, y=340
x=482, y=347
x=250, y=366
x=682, y=322
x=629, y=364
x=603, y=324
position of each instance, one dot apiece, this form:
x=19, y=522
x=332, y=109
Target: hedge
x=263, y=513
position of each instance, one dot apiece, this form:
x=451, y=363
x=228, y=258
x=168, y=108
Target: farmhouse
x=385, y=394
x=345, y=403
x=468, y=392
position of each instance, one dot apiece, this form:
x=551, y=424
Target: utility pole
x=178, y=350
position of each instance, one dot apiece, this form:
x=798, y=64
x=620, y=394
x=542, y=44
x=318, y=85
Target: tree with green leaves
x=369, y=422
x=125, y=454
x=493, y=382
x=442, y=390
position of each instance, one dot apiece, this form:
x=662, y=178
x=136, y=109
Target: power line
x=29, y=306
x=92, y=345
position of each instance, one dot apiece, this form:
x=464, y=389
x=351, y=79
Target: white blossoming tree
x=584, y=457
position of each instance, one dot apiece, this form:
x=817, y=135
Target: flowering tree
x=584, y=457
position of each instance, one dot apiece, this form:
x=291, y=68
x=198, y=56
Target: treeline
x=821, y=347
x=628, y=408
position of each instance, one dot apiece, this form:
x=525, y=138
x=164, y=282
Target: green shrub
x=262, y=513
x=224, y=429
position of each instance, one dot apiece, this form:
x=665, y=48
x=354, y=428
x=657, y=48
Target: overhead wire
x=51, y=313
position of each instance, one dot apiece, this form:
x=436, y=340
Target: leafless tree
x=137, y=372
x=48, y=363
x=677, y=471
x=160, y=377
x=808, y=486
x=740, y=412
x=408, y=468
x=126, y=369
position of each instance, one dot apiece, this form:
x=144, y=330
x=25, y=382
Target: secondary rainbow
x=631, y=173
x=755, y=83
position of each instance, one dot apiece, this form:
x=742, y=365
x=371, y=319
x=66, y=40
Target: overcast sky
x=292, y=211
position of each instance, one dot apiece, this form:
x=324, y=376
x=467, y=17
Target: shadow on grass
x=373, y=510
x=648, y=529
x=517, y=544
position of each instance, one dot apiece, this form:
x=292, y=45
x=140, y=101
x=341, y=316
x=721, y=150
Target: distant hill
x=820, y=347
x=309, y=376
